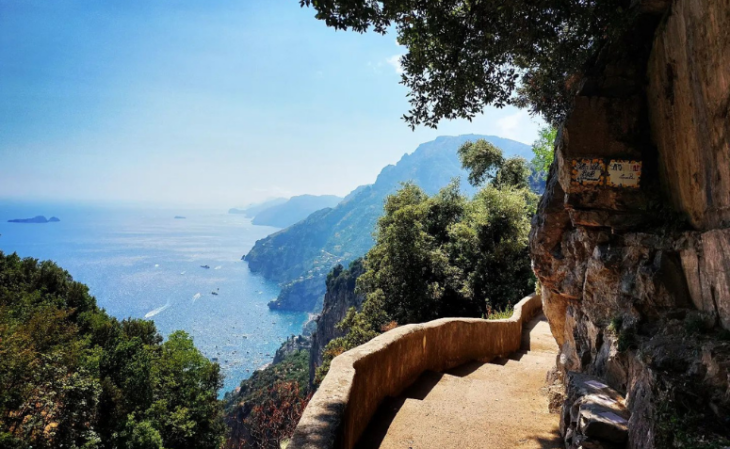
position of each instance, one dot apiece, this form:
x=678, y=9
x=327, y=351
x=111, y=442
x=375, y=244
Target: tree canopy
x=73, y=377
x=465, y=54
x=543, y=150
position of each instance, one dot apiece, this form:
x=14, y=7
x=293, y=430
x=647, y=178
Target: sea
x=145, y=263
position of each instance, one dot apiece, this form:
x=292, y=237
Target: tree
x=464, y=55
x=185, y=400
x=482, y=159
x=445, y=255
x=543, y=150
x=267, y=406
x=139, y=435
x=76, y=378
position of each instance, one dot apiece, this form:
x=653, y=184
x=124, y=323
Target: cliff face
x=631, y=242
x=340, y=297
x=300, y=296
x=292, y=345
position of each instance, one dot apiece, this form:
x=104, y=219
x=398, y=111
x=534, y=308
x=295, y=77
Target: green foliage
x=462, y=56
x=625, y=334
x=543, y=149
x=139, y=435
x=293, y=368
x=74, y=377
x=514, y=172
x=501, y=314
x=341, y=279
x=268, y=405
x=615, y=325
x=445, y=255
x=481, y=158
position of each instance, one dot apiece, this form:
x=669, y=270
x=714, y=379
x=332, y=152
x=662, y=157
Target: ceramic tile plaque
x=625, y=174
x=587, y=172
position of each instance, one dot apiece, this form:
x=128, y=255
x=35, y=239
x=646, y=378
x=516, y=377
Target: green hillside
x=307, y=250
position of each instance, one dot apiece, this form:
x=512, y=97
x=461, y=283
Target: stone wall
x=361, y=378
x=636, y=281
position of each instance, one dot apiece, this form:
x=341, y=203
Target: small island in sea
x=179, y=217
x=37, y=219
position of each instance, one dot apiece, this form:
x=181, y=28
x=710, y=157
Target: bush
x=72, y=376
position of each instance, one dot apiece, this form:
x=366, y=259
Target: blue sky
x=215, y=103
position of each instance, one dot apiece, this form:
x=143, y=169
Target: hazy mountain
x=297, y=208
x=302, y=254
x=253, y=209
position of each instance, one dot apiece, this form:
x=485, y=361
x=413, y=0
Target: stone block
x=594, y=414
x=601, y=422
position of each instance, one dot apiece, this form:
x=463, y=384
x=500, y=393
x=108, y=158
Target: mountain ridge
x=306, y=251
x=293, y=210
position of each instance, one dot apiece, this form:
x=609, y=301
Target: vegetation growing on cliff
x=543, y=149
x=266, y=408
x=74, y=377
x=446, y=255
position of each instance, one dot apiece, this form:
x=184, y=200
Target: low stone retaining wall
x=361, y=378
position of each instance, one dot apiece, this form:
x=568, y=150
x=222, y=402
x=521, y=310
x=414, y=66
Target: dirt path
x=496, y=405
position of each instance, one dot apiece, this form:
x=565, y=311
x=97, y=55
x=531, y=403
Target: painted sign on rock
x=587, y=172
x=623, y=173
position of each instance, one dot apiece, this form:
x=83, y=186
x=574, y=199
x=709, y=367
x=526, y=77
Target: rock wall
x=636, y=280
x=340, y=297
x=689, y=90
x=292, y=344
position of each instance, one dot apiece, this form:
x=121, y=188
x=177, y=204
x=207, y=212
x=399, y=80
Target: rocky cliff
x=340, y=297
x=292, y=345
x=632, y=239
x=303, y=295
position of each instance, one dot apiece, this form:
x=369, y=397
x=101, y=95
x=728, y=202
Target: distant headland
x=38, y=219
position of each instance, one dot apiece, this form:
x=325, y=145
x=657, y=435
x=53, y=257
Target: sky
x=201, y=103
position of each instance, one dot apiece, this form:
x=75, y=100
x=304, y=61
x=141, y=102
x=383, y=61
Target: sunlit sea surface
x=144, y=263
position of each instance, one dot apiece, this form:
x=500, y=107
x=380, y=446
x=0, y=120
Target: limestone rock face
x=290, y=346
x=636, y=281
x=689, y=92
x=706, y=263
x=340, y=297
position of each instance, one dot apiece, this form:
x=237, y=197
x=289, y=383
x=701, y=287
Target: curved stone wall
x=361, y=378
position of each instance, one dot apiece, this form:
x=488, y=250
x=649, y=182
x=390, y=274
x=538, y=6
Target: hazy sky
x=212, y=102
